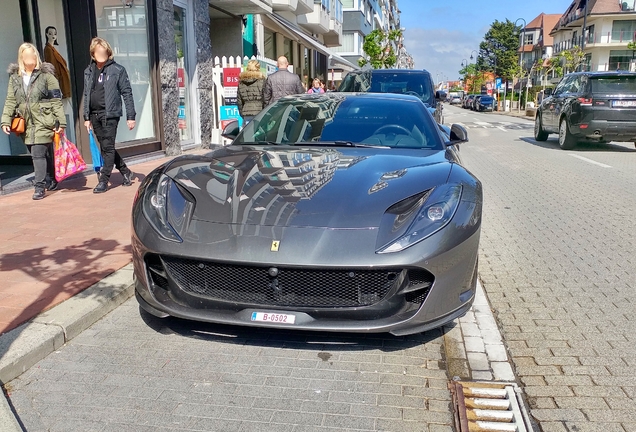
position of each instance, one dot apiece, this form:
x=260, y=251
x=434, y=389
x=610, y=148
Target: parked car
x=328, y=212
x=484, y=103
x=456, y=100
x=399, y=81
x=596, y=106
x=468, y=101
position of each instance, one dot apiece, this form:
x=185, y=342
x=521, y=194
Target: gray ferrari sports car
x=333, y=212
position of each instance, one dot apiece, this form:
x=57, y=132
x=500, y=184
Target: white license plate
x=273, y=318
x=624, y=103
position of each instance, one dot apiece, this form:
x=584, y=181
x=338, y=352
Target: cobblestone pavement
x=557, y=263
x=131, y=374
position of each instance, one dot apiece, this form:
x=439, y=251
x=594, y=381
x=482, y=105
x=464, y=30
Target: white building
x=610, y=26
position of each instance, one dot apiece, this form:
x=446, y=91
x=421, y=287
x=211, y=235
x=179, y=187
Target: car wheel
x=566, y=140
x=539, y=133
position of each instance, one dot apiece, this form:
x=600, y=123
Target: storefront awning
x=292, y=32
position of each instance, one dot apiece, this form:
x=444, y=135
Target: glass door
x=184, y=82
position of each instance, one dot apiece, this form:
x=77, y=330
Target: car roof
x=393, y=71
x=604, y=73
x=348, y=95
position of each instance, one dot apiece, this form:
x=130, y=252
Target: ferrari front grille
x=281, y=286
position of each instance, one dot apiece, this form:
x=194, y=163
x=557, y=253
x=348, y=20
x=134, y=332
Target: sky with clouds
x=440, y=34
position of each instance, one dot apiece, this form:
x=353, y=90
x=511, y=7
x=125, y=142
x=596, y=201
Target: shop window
x=125, y=28
x=269, y=44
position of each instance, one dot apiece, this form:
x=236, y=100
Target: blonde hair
x=253, y=66
x=25, y=47
x=97, y=41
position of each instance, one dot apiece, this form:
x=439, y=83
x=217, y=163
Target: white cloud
x=440, y=50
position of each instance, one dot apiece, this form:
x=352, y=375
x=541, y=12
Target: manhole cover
x=488, y=406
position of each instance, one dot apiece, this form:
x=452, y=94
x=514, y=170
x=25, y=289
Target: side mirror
x=458, y=134
x=438, y=95
x=547, y=92
x=231, y=129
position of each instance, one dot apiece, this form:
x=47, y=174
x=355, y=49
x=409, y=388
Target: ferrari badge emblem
x=275, y=245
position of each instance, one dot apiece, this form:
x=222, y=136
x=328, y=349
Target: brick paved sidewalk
x=54, y=248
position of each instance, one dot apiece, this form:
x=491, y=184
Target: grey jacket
x=279, y=84
x=117, y=85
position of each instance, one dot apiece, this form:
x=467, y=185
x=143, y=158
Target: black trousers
x=43, y=163
x=105, y=131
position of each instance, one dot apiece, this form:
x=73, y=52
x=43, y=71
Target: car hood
x=289, y=186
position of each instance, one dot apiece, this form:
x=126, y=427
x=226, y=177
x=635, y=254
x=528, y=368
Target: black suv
x=589, y=106
x=402, y=81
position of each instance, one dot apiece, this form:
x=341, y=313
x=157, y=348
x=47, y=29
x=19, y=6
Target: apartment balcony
x=613, y=39
x=333, y=37
x=243, y=7
x=317, y=21
x=297, y=7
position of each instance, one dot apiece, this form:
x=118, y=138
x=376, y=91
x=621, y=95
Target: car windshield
x=613, y=85
x=416, y=84
x=387, y=122
x=485, y=99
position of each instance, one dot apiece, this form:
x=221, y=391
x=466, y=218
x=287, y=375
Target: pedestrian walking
x=34, y=94
x=250, y=91
x=105, y=84
x=281, y=83
x=316, y=87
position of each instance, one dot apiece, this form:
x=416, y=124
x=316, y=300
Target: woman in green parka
x=35, y=93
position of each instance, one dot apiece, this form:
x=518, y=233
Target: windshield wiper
x=258, y=143
x=339, y=144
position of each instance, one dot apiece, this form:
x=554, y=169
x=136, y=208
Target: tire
x=566, y=140
x=539, y=133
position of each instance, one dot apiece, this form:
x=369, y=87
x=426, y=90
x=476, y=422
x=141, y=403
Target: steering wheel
x=394, y=127
x=412, y=93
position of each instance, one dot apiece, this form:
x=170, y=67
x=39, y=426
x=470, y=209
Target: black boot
x=39, y=193
x=127, y=179
x=101, y=187
x=51, y=184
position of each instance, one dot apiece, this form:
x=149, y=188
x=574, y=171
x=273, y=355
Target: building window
x=348, y=4
x=125, y=28
x=269, y=44
x=620, y=59
x=348, y=43
x=623, y=31
x=529, y=39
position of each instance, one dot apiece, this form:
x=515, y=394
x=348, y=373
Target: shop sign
x=230, y=112
x=181, y=77
x=230, y=94
x=231, y=77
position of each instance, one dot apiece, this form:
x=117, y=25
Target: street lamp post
x=464, y=66
x=475, y=75
x=523, y=48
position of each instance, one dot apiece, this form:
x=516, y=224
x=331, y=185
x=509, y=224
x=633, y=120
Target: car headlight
x=167, y=207
x=433, y=214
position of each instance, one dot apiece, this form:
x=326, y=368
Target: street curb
x=24, y=346
x=8, y=422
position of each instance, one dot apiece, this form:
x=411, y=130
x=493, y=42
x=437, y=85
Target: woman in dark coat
x=250, y=91
x=106, y=83
x=35, y=93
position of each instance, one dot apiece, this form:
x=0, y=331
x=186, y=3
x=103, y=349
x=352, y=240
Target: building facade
x=536, y=45
x=603, y=35
x=360, y=18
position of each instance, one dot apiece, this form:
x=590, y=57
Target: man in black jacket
x=105, y=84
x=281, y=83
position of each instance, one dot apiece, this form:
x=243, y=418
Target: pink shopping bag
x=68, y=160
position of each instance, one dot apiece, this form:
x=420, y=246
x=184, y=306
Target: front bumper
x=449, y=256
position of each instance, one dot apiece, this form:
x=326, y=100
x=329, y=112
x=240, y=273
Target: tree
x=573, y=58
x=380, y=49
x=473, y=77
x=499, y=50
x=631, y=46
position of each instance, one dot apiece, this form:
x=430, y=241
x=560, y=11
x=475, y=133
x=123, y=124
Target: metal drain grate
x=488, y=406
